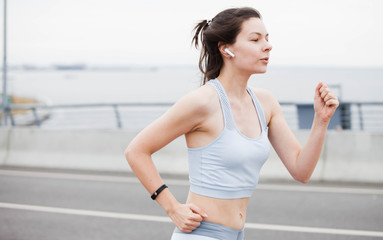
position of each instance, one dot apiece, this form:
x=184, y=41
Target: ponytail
x=210, y=60
x=197, y=30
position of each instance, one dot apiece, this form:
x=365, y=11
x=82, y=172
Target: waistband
x=215, y=230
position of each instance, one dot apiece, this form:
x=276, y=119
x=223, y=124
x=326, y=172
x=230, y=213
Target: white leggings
x=209, y=231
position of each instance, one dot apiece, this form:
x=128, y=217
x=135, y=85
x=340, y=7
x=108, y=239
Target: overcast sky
x=158, y=32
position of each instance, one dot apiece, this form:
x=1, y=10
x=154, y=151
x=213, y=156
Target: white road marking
x=140, y=217
x=178, y=182
x=335, y=231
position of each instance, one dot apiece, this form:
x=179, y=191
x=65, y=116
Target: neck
x=234, y=82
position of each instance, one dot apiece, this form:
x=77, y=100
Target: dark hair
x=224, y=27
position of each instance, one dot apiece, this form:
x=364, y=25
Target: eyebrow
x=260, y=34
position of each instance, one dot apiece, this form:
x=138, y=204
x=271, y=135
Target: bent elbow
x=133, y=156
x=302, y=179
x=129, y=155
x=305, y=181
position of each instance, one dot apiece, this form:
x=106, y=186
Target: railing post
x=12, y=119
x=360, y=116
x=37, y=120
x=117, y=114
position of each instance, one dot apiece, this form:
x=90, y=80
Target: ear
x=221, y=48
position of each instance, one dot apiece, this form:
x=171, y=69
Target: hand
x=325, y=102
x=187, y=217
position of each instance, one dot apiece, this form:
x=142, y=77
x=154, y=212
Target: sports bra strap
x=258, y=107
x=225, y=104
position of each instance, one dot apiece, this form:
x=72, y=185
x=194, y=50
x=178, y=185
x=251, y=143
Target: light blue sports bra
x=228, y=167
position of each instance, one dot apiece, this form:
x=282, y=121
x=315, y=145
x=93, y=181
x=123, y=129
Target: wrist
x=167, y=201
x=318, y=121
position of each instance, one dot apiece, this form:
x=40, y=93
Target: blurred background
x=106, y=54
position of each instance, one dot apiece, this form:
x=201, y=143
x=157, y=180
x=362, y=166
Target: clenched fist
x=325, y=102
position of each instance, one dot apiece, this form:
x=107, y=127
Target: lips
x=265, y=59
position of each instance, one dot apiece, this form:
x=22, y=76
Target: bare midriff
x=228, y=212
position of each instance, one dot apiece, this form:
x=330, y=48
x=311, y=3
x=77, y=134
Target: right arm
x=187, y=114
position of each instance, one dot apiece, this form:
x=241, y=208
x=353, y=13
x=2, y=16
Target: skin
x=198, y=117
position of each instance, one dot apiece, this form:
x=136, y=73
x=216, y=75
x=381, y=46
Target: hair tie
x=208, y=22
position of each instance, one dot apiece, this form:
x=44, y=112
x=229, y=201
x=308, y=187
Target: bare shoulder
x=269, y=103
x=201, y=100
x=192, y=110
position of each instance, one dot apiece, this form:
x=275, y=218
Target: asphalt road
x=39, y=204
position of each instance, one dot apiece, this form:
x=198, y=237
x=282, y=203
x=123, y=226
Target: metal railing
x=351, y=115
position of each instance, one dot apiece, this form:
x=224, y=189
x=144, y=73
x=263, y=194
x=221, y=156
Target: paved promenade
x=37, y=204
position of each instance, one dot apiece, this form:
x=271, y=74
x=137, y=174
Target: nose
x=267, y=47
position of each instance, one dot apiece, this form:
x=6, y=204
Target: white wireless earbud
x=230, y=53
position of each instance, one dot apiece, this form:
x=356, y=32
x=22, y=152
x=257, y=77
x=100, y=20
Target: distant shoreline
x=85, y=67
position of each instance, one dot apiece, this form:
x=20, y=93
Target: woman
x=228, y=129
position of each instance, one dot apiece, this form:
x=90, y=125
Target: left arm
x=301, y=161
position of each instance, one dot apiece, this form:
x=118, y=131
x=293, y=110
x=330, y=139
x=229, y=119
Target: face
x=251, y=48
